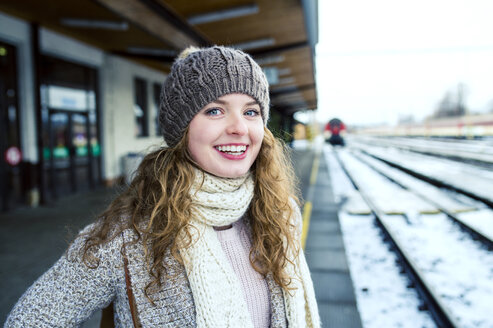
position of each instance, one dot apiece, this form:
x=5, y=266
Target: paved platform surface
x=325, y=251
x=31, y=240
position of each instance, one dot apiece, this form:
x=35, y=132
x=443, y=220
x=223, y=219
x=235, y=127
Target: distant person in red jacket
x=334, y=127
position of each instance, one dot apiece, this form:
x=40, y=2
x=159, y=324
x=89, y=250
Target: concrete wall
x=60, y=46
x=119, y=120
x=116, y=101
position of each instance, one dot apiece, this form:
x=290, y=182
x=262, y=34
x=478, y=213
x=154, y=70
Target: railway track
x=477, y=233
x=453, y=180
x=436, y=182
x=435, y=300
x=475, y=153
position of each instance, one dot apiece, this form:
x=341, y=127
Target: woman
x=208, y=232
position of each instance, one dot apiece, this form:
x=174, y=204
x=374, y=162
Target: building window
x=140, y=108
x=157, y=101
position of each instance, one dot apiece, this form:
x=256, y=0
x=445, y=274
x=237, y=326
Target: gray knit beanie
x=200, y=76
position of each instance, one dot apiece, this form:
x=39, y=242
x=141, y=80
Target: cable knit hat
x=200, y=76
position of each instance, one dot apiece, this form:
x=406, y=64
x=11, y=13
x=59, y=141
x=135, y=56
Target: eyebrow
x=221, y=102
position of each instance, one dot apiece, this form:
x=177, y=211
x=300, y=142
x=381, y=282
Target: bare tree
x=452, y=103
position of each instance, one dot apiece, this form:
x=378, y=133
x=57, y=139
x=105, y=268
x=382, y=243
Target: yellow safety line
x=307, y=209
x=313, y=175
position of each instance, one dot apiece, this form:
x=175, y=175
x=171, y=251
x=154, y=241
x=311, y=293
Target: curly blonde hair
x=156, y=206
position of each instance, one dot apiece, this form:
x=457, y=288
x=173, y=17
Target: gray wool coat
x=70, y=292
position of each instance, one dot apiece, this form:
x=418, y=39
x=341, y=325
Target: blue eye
x=252, y=112
x=213, y=111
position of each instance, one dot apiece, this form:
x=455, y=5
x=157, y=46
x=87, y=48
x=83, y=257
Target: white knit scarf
x=217, y=291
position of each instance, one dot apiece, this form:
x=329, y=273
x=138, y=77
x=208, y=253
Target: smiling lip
x=231, y=156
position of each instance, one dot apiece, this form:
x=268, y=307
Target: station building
x=80, y=80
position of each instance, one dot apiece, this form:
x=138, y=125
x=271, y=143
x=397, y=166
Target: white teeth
x=232, y=149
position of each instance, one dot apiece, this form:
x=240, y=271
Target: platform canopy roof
x=280, y=34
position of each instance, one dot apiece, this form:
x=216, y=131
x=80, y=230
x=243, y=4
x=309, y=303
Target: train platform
x=324, y=246
x=33, y=239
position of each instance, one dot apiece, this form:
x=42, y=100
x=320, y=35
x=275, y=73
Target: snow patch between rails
x=382, y=297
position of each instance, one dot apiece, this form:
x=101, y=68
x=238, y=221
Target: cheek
x=192, y=150
x=195, y=142
x=257, y=137
x=258, y=134
x=197, y=130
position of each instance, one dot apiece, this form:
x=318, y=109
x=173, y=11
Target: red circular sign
x=13, y=156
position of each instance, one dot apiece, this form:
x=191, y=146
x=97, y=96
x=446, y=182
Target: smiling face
x=225, y=136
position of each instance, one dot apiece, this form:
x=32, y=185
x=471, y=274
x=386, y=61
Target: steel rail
x=439, y=311
x=433, y=181
x=475, y=233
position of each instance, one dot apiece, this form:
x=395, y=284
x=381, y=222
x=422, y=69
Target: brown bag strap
x=128, y=283
x=107, y=315
x=130, y=294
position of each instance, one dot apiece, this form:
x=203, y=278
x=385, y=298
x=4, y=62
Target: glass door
x=81, y=153
x=68, y=155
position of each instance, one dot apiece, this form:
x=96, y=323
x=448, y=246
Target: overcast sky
x=382, y=59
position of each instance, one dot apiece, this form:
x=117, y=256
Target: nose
x=237, y=125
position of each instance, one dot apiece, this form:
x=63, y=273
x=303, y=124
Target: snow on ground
x=381, y=294
x=464, y=176
x=345, y=195
x=388, y=197
x=382, y=297
x=301, y=144
x=480, y=220
x=466, y=149
x=459, y=268
x=450, y=201
x=472, y=213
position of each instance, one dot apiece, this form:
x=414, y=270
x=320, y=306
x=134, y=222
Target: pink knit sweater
x=236, y=244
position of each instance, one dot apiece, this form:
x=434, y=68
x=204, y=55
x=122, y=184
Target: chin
x=230, y=173
x=233, y=175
